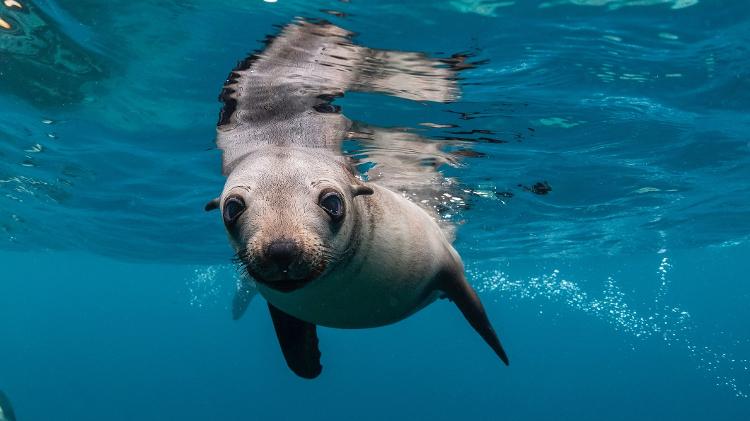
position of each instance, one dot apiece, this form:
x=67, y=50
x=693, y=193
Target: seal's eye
x=333, y=204
x=233, y=208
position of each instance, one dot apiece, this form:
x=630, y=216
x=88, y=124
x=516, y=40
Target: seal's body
x=323, y=246
x=391, y=272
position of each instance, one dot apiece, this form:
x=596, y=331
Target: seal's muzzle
x=282, y=254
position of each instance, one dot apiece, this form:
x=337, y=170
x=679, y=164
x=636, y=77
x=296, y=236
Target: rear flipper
x=242, y=297
x=299, y=343
x=460, y=292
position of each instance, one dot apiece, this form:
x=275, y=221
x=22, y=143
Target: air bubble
x=672, y=324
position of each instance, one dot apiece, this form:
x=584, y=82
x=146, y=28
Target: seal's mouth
x=284, y=284
x=282, y=281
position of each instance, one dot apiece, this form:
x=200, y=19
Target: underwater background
x=606, y=226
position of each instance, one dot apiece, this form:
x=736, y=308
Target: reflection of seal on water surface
x=324, y=247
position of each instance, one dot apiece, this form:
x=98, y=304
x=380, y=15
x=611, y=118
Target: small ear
x=213, y=204
x=361, y=189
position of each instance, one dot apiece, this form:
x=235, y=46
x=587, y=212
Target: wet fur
x=377, y=267
x=281, y=138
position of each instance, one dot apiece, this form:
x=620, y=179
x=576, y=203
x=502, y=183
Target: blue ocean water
x=621, y=293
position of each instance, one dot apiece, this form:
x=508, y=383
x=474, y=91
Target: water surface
x=606, y=217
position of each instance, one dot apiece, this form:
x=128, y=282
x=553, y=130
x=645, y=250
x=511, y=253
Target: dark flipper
x=299, y=343
x=460, y=292
x=6, y=410
x=242, y=297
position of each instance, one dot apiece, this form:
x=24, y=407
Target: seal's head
x=290, y=214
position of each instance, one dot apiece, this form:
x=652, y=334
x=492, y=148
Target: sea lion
x=323, y=246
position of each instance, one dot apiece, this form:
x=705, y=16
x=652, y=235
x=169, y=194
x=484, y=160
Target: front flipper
x=299, y=343
x=6, y=409
x=242, y=296
x=460, y=292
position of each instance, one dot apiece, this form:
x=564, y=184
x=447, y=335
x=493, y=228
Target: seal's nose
x=283, y=253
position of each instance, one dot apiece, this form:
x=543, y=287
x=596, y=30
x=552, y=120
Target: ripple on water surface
x=584, y=128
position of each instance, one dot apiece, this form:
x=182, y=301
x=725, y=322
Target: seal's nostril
x=282, y=253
